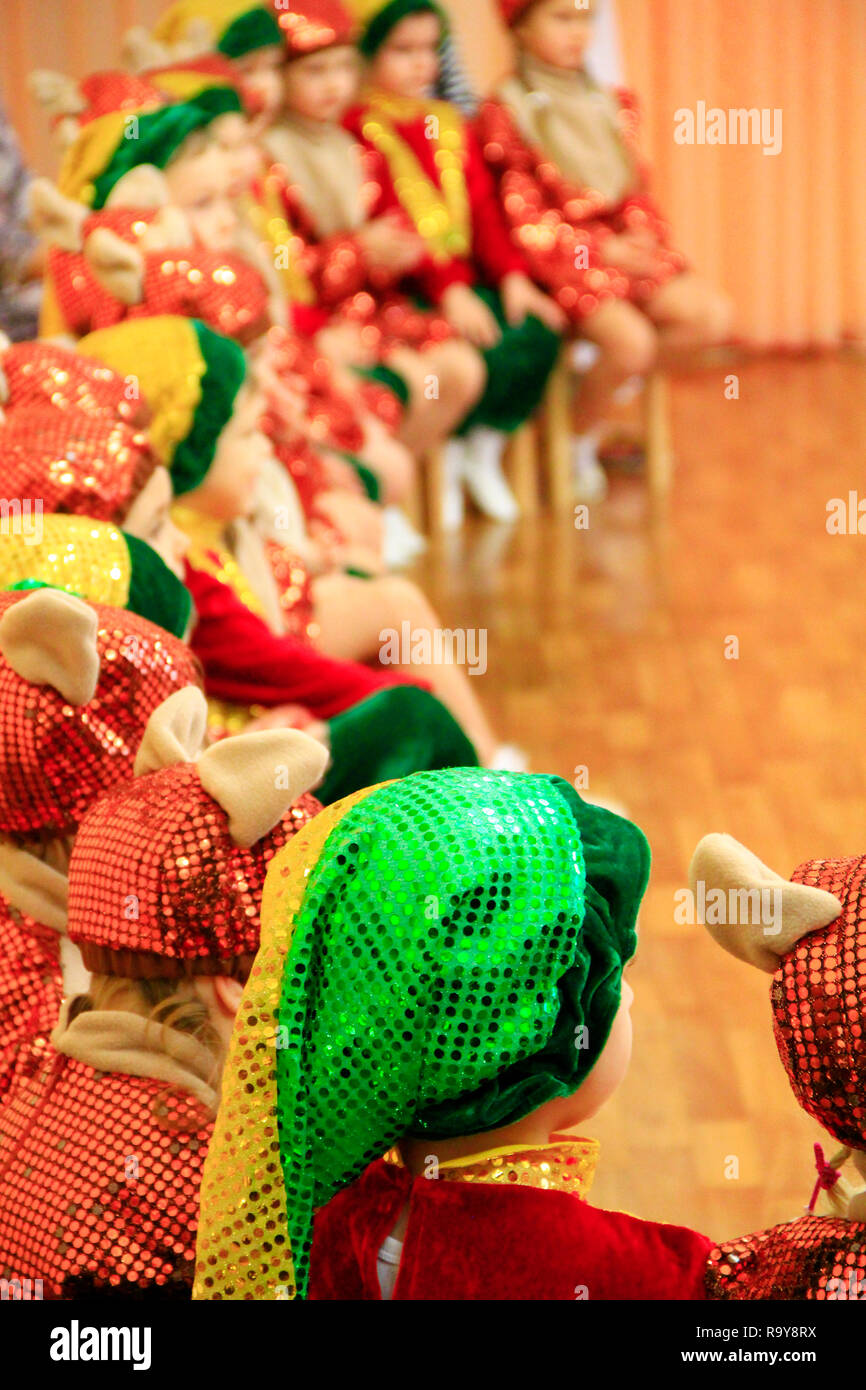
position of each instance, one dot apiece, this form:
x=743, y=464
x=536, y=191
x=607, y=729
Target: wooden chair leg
x=557, y=439
x=434, y=480
x=659, y=448
x=522, y=469
x=413, y=505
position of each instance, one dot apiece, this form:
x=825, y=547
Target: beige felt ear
x=144, y=186
x=59, y=94
x=49, y=638
x=169, y=230
x=57, y=220
x=4, y=391
x=175, y=732
x=33, y=886
x=116, y=264
x=257, y=777
x=760, y=915
x=141, y=51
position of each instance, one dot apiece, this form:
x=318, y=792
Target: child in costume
x=480, y=923
x=471, y=270
x=576, y=195
x=78, y=683
x=217, y=455
x=811, y=942
x=345, y=254
x=104, y=1134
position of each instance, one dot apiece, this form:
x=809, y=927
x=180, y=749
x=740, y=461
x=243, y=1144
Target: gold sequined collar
x=567, y=1166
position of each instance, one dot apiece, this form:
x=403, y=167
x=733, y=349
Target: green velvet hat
x=378, y=19
x=440, y=957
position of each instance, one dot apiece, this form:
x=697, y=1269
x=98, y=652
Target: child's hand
x=390, y=245
x=470, y=317
x=520, y=298
x=635, y=257
x=343, y=344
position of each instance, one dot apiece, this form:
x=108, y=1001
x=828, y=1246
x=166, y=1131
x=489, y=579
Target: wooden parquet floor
x=609, y=649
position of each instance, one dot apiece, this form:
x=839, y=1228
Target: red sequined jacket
x=561, y=228
x=494, y=254
x=98, y=1194
x=468, y=1241
x=814, y=1257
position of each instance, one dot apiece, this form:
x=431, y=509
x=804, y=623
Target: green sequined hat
x=440, y=957
x=379, y=18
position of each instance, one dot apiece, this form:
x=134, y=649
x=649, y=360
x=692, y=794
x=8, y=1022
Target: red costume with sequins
x=561, y=228
x=818, y=1009
x=563, y=1249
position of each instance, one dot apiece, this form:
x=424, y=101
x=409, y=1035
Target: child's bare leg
x=353, y=613
x=390, y=459
x=689, y=313
x=629, y=347
x=444, y=384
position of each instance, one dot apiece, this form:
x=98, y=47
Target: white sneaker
x=403, y=543
x=589, y=480
x=509, y=758
x=484, y=478
x=453, y=502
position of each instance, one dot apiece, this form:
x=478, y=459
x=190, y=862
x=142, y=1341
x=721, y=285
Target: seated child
x=78, y=684
x=575, y=192
x=809, y=935
x=206, y=416
x=103, y=1138
x=473, y=272
x=480, y=923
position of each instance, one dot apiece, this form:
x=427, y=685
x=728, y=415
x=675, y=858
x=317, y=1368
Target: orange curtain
x=786, y=235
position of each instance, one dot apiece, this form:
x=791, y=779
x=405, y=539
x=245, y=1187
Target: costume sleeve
x=639, y=211
x=246, y=663
x=494, y=248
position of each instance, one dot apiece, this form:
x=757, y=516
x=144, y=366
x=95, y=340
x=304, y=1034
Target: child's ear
x=56, y=220
x=722, y=865
x=116, y=264
x=145, y=186
x=257, y=777
x=175, y=732
x=49, y=638
x=60, y=95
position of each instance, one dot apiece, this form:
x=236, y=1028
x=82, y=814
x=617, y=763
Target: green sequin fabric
x=456, y=962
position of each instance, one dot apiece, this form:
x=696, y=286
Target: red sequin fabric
x=56, y=758
x=296, y=591
x=156, y=875
x=561, y=228
x=70, y=461
x=819, y=1006
x=42, y=374
x=99, y=1181
x=816, y=1257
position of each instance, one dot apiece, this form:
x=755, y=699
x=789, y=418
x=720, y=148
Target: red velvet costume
x=558, y=226
x=562, y=1249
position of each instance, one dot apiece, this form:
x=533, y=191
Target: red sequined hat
x=116, y=92
x=78, y=684
x=159, y=886
x=40, y=373
x=513, y=9
x=819, y=1005
x=72, y=462
x=311, y=25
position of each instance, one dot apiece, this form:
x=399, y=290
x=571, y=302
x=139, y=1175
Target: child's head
x=200, y=180
x=204, y=407
x=404, y=58
x=480, y=922
x=556, y=32
x=320, y=79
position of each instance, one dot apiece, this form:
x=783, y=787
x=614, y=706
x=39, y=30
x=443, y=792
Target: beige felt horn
x=59, y=94
x=116, y=264
x=257, y=777
x=55, y=219
x=33, y=886
x=49, y=638
x=175, y=732
x=750, y=911
x=145, y=186
x=169, y=229
x=5, y=344
x=141, y=51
